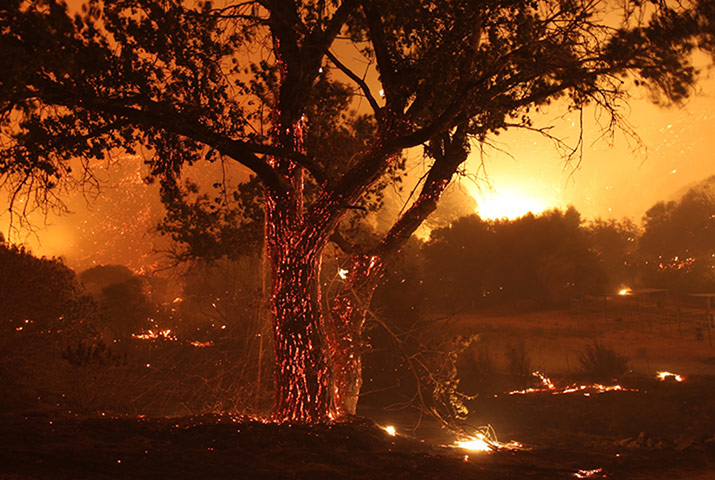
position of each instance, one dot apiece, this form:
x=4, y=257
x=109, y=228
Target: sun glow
x=508, y=203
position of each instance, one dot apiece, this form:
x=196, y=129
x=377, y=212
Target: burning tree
x=192, y=81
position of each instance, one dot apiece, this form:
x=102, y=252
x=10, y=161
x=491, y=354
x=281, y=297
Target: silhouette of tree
x=676, y=247
x=539, y=260
x=615, y=243
x=193, y=82
x=459, y=264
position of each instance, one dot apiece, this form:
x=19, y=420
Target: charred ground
x=657, y=430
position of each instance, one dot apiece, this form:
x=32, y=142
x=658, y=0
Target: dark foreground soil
x=656, y=431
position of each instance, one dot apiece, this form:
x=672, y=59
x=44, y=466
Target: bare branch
x=357, y=79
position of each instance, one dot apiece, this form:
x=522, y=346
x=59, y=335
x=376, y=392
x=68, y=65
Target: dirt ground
x=650, y=429
x=37, y=447
x=652, y=340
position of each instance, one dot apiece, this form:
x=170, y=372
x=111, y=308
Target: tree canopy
x=676, y=246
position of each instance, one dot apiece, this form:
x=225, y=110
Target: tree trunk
x=348, y=311
x=350, y=307
x=301, y=373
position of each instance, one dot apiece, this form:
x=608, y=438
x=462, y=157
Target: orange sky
x=622, y=180
x=524, y=170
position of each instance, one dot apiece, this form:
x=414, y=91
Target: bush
x=477, y=369
x=602, y=362
x=41, y=295
x=519, y=364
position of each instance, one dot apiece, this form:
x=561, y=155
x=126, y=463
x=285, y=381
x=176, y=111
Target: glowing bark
x=347, y=318
x=301, y=373
x=349, y=308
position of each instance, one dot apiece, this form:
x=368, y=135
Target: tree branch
x=355, y=78
x=154, y=115
x=449, y=152
x=382, y=55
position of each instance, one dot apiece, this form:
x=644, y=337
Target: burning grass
x=547, y=386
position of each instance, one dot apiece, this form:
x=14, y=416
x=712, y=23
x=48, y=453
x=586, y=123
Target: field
x=648, y=428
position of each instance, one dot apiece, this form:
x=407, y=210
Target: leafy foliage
x=615, y=243
x=204, y=228
x=41, y=295
x=123, y=304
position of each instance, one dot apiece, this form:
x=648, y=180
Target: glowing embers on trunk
x=547, y=386
x=663, y=376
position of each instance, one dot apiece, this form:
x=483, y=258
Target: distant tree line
x=471, y=263
x=547, y=259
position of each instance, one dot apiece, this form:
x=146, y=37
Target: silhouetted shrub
x=88, y=353
x=602, y=362
x=477, y=369
x=41, y=296
x=519, y=364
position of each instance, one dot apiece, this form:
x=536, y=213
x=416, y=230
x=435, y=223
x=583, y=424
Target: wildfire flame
x=479, y=443
x=484, y=440
x=390, y=430
x=588, y=473
x=624, y=291
x=152, y=335
x=548, y=386
x=665, y=375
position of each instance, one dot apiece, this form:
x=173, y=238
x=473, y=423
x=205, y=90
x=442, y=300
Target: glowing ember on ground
x=152, y=335
x=588, y=473
x=548, y=386
x=624, y=291
x=475, y=444
x=666, y=375
x=198, y=344
x=390, y=430
x=484, y=440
